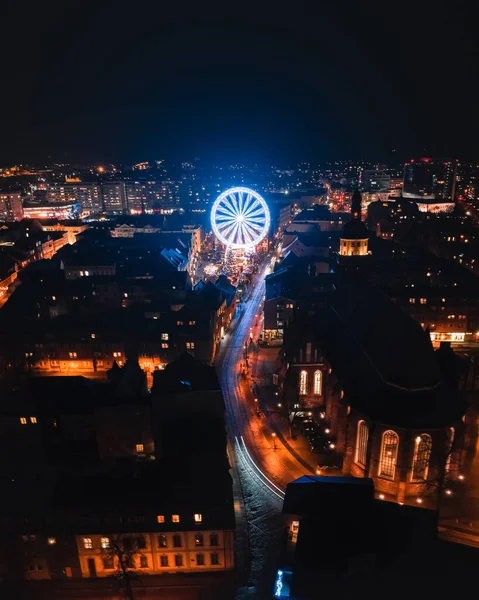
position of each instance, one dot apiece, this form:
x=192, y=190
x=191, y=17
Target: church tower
x=354, y=237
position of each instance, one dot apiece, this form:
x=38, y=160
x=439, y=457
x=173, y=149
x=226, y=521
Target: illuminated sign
x=436, y=207
x=278, y=584
x=450, y=336
x=282, y=584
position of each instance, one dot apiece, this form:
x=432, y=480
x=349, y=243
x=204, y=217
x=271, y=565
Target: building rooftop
x=185, y=374
x=383, y=358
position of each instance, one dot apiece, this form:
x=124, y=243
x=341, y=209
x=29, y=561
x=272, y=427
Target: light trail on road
x=250, y=466
x=270, y=468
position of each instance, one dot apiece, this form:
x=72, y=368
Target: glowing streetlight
x=274, y=441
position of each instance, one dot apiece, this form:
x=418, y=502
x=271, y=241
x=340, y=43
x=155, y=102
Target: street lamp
x=274, y=441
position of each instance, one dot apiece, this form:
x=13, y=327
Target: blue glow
x=282, y=584
x=278, y=584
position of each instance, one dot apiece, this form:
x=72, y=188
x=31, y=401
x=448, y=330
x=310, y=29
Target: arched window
x=450, y=442
x=303, y=383
x=422, y=455
x=389, y=452
x=362, y=443
x=318, y=383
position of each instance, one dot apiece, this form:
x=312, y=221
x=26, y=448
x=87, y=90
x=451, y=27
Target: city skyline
x=239, y=300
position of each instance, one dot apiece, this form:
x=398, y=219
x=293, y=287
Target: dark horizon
x=270, y=85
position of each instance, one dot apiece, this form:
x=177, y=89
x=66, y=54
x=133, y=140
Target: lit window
x=198, y=517
x=362, y=443
x=117, y=354
x=192, y=323
x=54, y=298
x=164, y=336
x=51, y=541
x=105, y=542
x=23, y=420
x=303, y=383
x=175, y=518
x=160, y=518
x=412, y=300
x=423, y=300
x=422, y=454
x=33, y=420
x=140, y=447
x=72, y=354
x=87, y=543
x=190, y=345
x=87, y=273
x=318, y=383
x=199, y=539
x=389, y=450
x=165, y=345
x=179, y=322
x=162, y=541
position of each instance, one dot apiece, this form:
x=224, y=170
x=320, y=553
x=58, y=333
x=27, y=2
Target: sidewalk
x=263, y=365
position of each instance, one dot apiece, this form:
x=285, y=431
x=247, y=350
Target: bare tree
x=440, y=470
x=120, y=552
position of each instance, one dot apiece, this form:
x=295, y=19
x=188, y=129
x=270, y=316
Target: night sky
x=279, y=81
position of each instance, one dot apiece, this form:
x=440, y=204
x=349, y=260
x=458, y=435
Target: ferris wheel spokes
x=240, y=218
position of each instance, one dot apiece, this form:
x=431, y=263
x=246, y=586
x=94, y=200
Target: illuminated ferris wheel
x=240, y=218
